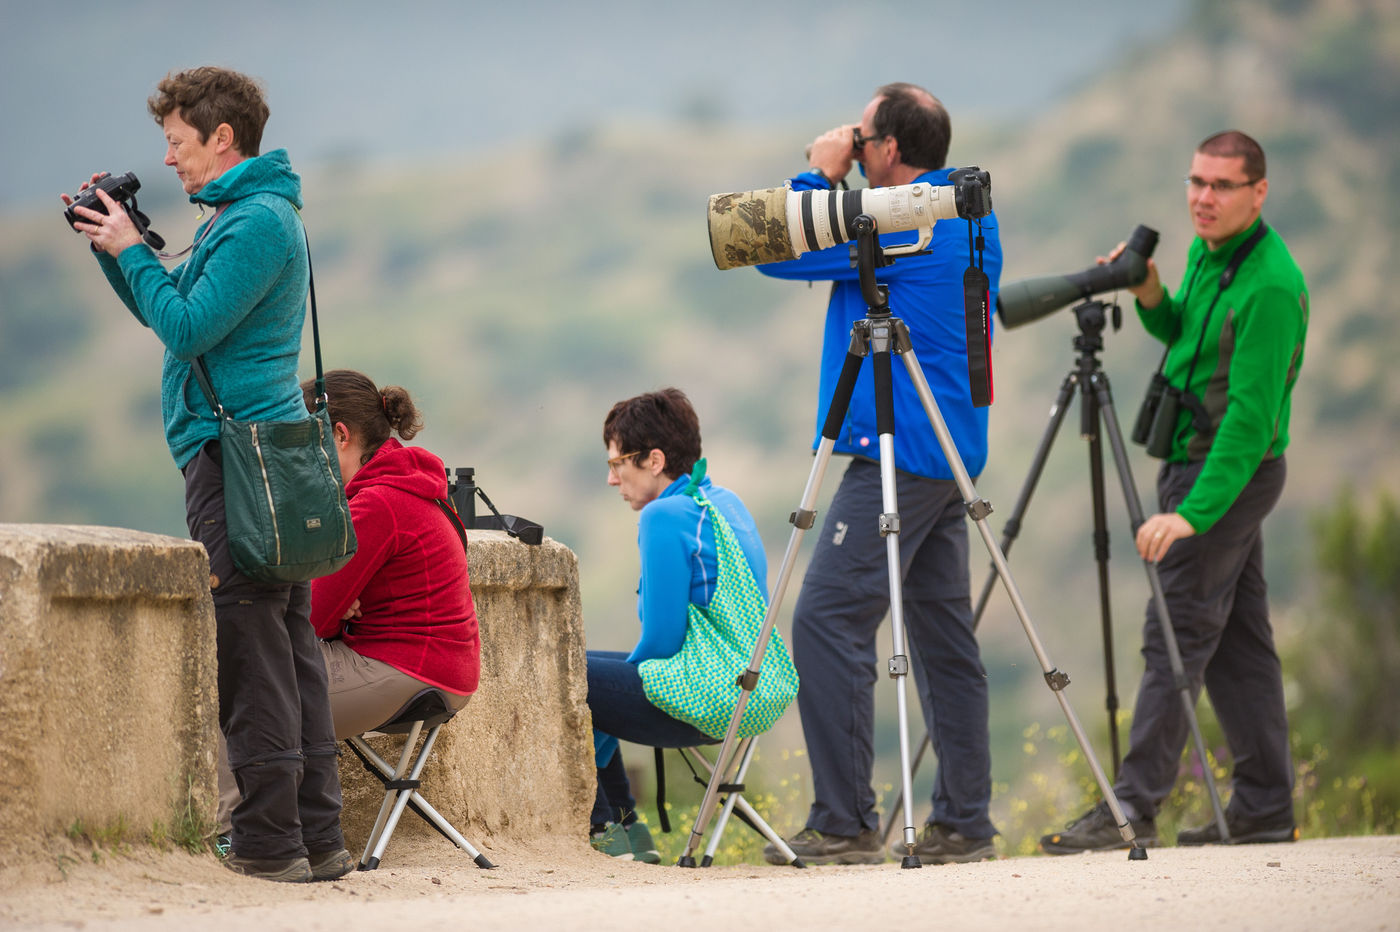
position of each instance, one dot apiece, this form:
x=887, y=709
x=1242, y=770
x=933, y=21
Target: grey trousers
x=844, y=597
x=1215, y=592
x=274, y=711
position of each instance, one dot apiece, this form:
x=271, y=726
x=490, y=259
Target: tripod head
x=1092, y=316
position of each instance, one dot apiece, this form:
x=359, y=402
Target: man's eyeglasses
x=616, y=462
x=1219, y=187
x=858, y=140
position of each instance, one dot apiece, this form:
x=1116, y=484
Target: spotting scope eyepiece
x=1032, y=298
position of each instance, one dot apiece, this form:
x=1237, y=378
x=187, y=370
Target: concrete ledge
x=108, y=704
x=517, y=762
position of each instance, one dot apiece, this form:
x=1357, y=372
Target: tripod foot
x=706, y=861
x=1137, y=854
x=483, y=862
x=910, y=861
x=685, y=861
x=798, y=862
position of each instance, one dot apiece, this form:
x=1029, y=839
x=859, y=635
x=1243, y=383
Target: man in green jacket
x=1234, y=334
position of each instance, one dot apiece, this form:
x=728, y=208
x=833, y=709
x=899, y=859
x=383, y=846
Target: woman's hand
x=109, y=233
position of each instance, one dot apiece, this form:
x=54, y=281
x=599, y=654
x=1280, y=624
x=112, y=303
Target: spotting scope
x=1032, y=298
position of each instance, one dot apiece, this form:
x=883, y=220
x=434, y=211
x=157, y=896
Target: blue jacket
x=680, y=566
x=927, y=293
x=240, y=300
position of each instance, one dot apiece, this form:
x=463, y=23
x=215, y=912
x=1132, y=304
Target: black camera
x=972, y=192
x=122, y=189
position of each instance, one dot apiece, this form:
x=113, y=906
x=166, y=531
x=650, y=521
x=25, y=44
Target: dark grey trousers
x=1215, y=592
x=844, y=597
x=274, y=709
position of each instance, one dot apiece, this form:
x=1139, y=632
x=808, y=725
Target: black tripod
x=1096, y=405
x=878, y=335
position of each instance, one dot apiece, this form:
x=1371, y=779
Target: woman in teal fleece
x=239, y=301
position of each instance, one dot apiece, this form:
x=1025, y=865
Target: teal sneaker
x=642, y=844
x=612, y=841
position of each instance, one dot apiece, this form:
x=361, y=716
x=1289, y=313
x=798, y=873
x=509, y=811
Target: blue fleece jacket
x=239, y=300
x=926, y=291
x=680, y=565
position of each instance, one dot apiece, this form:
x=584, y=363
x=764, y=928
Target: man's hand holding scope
x=1148, y=291
x=833, y=152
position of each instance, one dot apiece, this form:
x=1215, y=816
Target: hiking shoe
x=1095, y=830
x=331, y=865
x=642, y=844
x=1243, y=831
x=939, y=844
x=815, y=847
x=282, y=870
x=223, y=844
x=612, y=841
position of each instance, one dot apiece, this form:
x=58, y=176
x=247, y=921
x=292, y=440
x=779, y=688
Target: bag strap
x=201, y=372
x=450, y=510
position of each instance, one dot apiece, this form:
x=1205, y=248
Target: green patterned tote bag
x=699, y=684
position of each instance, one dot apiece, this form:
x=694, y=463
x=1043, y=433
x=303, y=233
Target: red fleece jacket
x=409, y=573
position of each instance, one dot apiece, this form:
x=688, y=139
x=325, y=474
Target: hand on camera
x=109, y=233
x=1149, y=293
x=831, y=152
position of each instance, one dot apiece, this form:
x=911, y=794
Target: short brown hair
x=662, y=420
x=208, y=96
x=1234, y=144
x=919, y=123
x=371, y=412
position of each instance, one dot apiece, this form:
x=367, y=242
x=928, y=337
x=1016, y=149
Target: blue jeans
x=844, y=597
x=620, y=708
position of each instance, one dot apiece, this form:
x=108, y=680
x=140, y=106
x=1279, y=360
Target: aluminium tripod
x=1096, y=404
x=878, y=335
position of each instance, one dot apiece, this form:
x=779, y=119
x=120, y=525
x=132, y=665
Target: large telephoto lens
x=777, y=224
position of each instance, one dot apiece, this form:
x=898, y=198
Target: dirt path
x=1351, y=883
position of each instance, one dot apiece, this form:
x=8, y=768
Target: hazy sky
x=386, y=78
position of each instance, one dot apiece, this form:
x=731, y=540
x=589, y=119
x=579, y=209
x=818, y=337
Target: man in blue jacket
x=902, y=138
x=239, y=301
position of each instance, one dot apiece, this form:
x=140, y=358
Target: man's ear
x=656, y=461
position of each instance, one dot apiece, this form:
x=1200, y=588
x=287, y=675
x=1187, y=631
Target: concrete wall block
x=108, y=703
x=517, y=762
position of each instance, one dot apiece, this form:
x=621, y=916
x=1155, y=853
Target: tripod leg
x=978, y=510
x=1008, y=537
x=802, y=519
x=1159, y=598
x=1089, y=428
x=882, y=339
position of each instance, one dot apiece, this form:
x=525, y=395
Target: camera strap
x=190, y=248
x=1199, y=417
x=977, y=306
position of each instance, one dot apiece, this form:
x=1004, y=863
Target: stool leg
x=393, y=804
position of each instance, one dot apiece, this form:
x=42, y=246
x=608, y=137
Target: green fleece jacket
x=1249, y=361
x=239, y=300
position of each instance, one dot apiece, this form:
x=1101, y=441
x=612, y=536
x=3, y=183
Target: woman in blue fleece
x=654, y=461
x=239, y=301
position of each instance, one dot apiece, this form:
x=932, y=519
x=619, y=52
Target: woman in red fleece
x=399, y=616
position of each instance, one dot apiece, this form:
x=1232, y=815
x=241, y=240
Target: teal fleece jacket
x=239, y=300
x=1249, y=361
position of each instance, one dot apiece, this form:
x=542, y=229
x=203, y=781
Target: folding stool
x=428, y=709
x=734, y=800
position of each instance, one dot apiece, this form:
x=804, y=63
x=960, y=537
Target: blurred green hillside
x=517, y=295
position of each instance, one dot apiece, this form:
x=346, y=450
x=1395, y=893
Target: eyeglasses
x=616, y=462
x=1219, y=187
x=858, y=140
